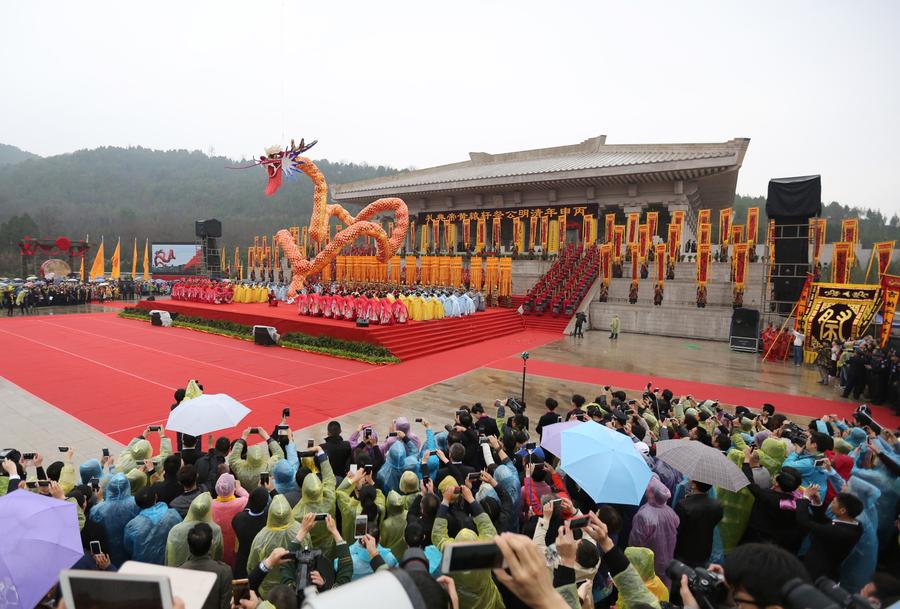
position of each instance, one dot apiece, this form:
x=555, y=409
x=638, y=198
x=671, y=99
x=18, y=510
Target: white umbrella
x=702, y=463
x=206, y=413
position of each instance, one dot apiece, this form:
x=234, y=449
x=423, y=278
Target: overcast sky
x=814, y=84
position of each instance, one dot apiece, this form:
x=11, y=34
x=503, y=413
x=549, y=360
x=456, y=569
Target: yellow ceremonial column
x=410, y=270
x=456, y=271
x=476, y=272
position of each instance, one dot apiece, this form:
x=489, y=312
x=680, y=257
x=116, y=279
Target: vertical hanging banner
x=448, y=237
x=517, y=234
x=480, y=234
x=643, y=241
x=495, y=234
x=436, y=235
x=704, y=216
x=741, y=251
x=724, y=226
x=883, y=251
x=606, y=263
x=618, y=241
x=660, y=260
x=631, y=227
x=545, y=232
x=533, y=238
x=635, y=263
x=817, y=237
x=703, y=256
x=672, y=243
x=753, y=226
x=840, y=262
x=652, y=223
x=678, y=219
x=423, y=241
x=553, y=237
x=610, y=232
x=850, y=234
x=563, y=225
x=890, y=293
x=476, y=273
x=467, y=232
x=803, y=302
x=737, y=233
x=704, y=236
x=587, y=230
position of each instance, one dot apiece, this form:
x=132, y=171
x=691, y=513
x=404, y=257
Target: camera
x=826, y=594
x=795, y=434
x=515, y=405
x=306, y=563
x=708, y=588
x=525, y=355
x=863, y=416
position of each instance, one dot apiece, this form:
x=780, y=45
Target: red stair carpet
x=406, y=341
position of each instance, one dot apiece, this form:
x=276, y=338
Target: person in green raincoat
x=348, y=503
x=394, y=524
x=139, y=449
x=259, y=459
x=772, y=453
x=736, y=508
x=177, y=551
x=642, y=559
x=476, y=589
x=280, y=531
x=318, y=497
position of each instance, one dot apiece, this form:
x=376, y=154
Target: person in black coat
x=246, y=525
x=772, y=519
x=699, y=514
x=548, y=418
x=485, y=425
x=338, y=450
x=453, y=466
x=831, y=540
x=169, y=488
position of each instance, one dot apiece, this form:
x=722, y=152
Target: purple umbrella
x=39, y=537
x=551, y=436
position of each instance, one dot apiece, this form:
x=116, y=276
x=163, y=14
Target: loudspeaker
x=362, y=322
x=155, y=319
x=265, y=336
x=744, y=335
x=795, y=198
x=791, y=261
x=160, y=318
x=208, y=228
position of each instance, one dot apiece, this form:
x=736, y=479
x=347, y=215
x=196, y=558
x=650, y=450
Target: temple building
x=515, y=201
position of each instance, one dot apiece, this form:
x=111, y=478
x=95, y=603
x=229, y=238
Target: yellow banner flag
x=146, y=260
x=134, y=260
x=81, y=274
x=97, y=267
x=115, y=272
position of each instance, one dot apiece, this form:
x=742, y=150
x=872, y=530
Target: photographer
x=809, y=459
x=831, y=540
x=754, y=575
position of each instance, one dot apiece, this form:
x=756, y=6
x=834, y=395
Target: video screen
x=175, y=259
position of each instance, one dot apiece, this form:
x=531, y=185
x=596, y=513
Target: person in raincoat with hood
x=114, y=513
x=318, y=497
x=399, y=458
x=858, y=567
x=644, y=562
x=177, y=550
x=736, y=507
x=260, y=458
x=394, y=524
x=139, y=449
x=147, y=533
x=230, y=500
x=401, y=426
x=655, y=526
x=476, y=589
x=279, y=532
x=352, y=505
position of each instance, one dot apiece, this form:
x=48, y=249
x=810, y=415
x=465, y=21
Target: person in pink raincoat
x=655, y=526
x=230, y=501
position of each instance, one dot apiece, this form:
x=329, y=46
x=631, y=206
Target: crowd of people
x=821, y=501
x=30, y=295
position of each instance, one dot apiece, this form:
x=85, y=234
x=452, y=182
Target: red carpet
x=406, y=341
x=752, y=398
x=119, y=375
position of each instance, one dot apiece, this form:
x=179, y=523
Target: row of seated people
x=387, y=308
x=203, y=290
x=251, y=293
x=571, y=281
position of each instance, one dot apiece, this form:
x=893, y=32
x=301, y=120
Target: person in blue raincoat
x=146, y=534
x=858, y=567
x=114, y=513
x=400, y=457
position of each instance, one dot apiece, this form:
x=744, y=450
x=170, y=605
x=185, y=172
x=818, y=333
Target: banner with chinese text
x=606, y=263
x=660, y=259
x=703, y=260
x=840, y=262
x=890, y=287
x=631, y=227
x=724, y=226
x=618, y=242
x=838, y=312
x=643, y=241
x=610, y=227
x=704, y=216
x=704, y=234
x=883, y=251
x=752, y=225
x=653, y=222
x=673, y=243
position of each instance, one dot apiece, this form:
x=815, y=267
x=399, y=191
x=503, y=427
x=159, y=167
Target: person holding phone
x=318, y=497
x=260, y=457
x=231, y=499
x=114, y=513
x=357, y=495
x=140, y=449
x=338, y=450
x=474, y=588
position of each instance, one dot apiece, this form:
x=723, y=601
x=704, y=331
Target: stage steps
x=424, y=338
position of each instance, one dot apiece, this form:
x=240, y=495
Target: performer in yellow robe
x=414, y=308
x=238, y=293
x=437, y=308
x=263, y=294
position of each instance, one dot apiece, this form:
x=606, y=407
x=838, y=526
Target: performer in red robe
x=315, y=305
x=326, y=305
x=373, y=309
x=386, y=312
x=399, y=311
x=362, y=304
x=303, y=304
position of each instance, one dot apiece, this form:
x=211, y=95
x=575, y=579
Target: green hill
x=10, y=155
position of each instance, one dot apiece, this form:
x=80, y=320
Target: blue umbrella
x=39, y=537
x=605, y=464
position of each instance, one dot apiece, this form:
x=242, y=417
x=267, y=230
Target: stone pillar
x=688, y=232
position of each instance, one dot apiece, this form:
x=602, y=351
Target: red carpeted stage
x=406, y=341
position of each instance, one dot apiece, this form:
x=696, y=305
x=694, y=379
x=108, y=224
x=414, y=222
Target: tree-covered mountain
x=137, y=192
x=10, y=155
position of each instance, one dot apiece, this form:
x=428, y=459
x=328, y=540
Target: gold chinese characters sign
x=838, y=312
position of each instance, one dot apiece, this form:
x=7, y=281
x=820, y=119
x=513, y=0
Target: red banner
x=724, y=226
x=705, y=234
x=635, y=263
x=678, y=218
x=617, y=243
x=840, y=262
x=740, y=265
x=673, y=243
x=545, y=231
x=850, y=230
x=704, y=216
x=703, y=259
x=609, y=234
x=495, y=234
x=652, y=222
x=467, y=232
x=737, y=233
x=535, y=239
x=883, y=252
x=817, y=236
x=631, y=227
x=752, y=225
x=803, y=301
x=643, y=240
x=562, y=228
x=606, y=263
x=660, y=263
